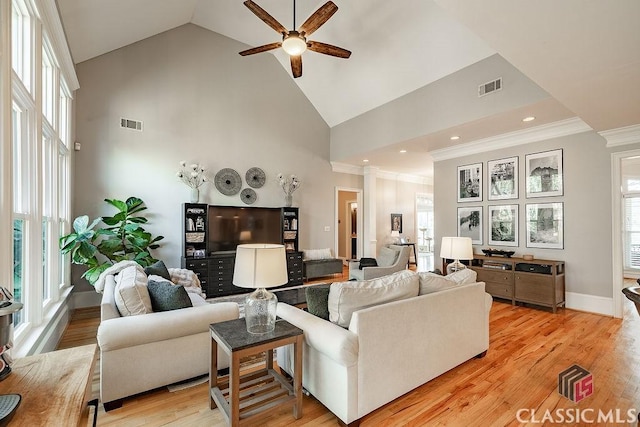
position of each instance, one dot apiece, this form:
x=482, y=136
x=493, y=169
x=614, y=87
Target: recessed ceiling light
x=365, y=160
x=403, y=151
x=528, y=119
x=454, y=138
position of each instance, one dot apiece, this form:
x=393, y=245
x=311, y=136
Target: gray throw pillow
x=159, y=269
x=318, y=300
x=166, y=296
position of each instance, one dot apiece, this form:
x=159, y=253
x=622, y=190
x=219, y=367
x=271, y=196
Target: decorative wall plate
x=255, y=177
x=228, y=181
x=248, y=196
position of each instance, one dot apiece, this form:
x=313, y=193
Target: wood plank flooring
x=528, y=349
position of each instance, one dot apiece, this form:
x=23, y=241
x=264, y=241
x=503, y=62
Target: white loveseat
x=388, y=349
x=143, y=352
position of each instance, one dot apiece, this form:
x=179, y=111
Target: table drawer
x=498, y=276
x=199, y=264
x=500, y=290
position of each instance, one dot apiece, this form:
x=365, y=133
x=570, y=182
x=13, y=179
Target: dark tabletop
x=233, y=333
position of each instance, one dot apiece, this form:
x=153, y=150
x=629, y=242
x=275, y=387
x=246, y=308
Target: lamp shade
x=395, y=233
x=260, y=266
x=456, y=248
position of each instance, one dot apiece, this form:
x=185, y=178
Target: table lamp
x=395, y=234
x=456, y=248
x=260, y=266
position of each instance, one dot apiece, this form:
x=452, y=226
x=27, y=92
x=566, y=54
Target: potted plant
x=122, y=239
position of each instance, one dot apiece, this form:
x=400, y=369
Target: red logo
x=575, y=383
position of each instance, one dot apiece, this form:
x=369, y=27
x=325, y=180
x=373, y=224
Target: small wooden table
x=55, y=387
x=243, y=398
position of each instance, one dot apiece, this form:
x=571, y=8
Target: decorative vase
x=288, y=200
x=195, y=195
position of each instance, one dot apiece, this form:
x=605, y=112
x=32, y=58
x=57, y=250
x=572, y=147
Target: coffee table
x=243, y=398
x=296, y=296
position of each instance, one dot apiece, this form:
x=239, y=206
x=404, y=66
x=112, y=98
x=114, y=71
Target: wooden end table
x=243, y=398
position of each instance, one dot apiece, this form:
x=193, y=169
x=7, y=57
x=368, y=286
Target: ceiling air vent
x=130, y=124
x=492, y=86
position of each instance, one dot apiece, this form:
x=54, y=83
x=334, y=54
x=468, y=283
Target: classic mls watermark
x=576, y=383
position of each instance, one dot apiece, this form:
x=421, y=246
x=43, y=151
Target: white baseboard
x=85, y=299
x=590, y=303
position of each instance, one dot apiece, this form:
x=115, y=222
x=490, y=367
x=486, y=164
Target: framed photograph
x=470, y=183
x=503, y=225
x=545, y=225
x=544, y=174
x=396, y=222
x=503, y=179
x=470, y=223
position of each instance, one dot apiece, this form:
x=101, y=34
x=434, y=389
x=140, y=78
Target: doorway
x=348, y=239
x=424, y=226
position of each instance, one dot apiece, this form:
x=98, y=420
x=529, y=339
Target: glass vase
x=195, y=195
x=288, y=200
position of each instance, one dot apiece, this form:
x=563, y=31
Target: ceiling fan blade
x=268, y=19
x=318, y=18
x=262, y=48
x=296, y=65
x=328, y=49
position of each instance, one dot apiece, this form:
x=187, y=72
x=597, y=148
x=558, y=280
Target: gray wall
x=587, y=208
x=199, y=101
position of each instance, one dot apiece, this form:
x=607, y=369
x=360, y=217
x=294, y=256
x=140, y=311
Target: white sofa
x=143, y=352
x=388, y=349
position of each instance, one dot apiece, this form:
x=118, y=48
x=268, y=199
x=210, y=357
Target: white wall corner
x=589, y=303
x=511, y=139
x=85, y=299
x=622, y=136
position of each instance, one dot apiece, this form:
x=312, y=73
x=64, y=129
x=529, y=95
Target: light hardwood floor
x=528, y=349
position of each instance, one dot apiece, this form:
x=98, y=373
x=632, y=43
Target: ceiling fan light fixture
x=294, y=44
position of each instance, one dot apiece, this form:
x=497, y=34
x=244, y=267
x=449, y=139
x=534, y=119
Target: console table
x=244, y=398
x=538, y=281
x=55, y=387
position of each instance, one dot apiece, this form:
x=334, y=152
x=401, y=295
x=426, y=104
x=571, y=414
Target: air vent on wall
x=489, y=87
x=130, y=124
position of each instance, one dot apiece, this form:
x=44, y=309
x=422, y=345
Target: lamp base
x=260, y=311
x=455, y=266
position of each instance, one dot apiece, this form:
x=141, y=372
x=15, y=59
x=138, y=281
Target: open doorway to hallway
x=348, y=242
x=424, y=226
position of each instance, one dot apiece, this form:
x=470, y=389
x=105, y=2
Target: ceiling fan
x=295, y=42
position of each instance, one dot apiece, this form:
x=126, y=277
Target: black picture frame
x=545, y=225
x=396, y=222
x=544, y=173
x=502, y=179
x=470, y=223
x=503, y=225
x=470, y=183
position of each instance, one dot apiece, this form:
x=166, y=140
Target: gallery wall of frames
x=499, y=223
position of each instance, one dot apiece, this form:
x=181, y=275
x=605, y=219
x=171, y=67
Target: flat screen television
x=230, y=226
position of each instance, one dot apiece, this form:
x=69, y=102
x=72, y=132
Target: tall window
x=631, y=209
x=22, y=42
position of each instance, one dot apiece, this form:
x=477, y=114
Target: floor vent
x=489, y=87
x=131, y=124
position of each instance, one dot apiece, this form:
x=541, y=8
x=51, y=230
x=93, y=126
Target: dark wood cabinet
x=215, y=269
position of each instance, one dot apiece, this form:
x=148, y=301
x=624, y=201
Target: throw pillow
x=159, y=269
x=318, y=300
x=367, y=262
x=463, y=277
x=347, y=297
x=130, y=293
x=166, y=296
x=431, y=282
x=387, y=257
x=314, y=254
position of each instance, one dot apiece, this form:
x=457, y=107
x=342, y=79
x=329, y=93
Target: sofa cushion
x=166, y=296
x=314, y=254
x=387, y=257
x=131, y=293
x=463, y=277
x=432, y=282
x=347, y=297
x=318, y=300
x=159, y=269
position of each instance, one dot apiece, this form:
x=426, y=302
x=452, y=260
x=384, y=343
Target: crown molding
x=383, y=174
x=511, y=139
x=622, y=136
x=51, y=20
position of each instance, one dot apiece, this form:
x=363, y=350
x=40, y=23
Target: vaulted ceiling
x=584, y=53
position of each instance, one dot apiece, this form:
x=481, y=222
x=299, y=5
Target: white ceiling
x=584, y=53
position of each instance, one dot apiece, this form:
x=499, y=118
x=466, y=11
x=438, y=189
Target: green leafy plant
x=122, y=239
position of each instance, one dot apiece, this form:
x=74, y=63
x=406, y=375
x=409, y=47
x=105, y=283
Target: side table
x=243, y=398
